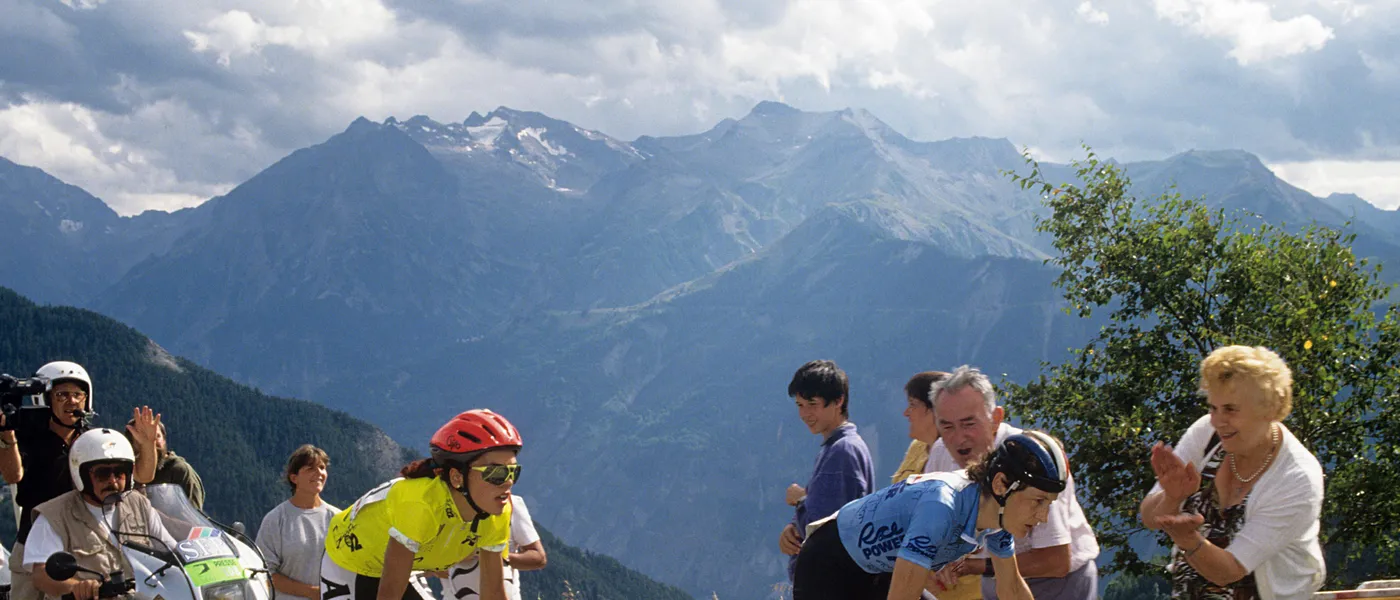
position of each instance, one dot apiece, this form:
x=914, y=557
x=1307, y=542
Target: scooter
x=210, y=561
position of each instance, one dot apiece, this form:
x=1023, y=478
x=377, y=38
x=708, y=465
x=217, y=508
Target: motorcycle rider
x=95, y=518
x=34, y=452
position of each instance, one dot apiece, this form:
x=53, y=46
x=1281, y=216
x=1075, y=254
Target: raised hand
x=1178, y=478
x=146, y=428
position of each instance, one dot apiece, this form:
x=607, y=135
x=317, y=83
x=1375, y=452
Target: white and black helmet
x=58, y=372
x=99, y=446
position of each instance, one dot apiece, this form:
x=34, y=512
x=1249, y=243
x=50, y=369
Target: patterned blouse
x=1220, y=526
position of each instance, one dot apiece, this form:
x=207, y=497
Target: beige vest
x=86, y=539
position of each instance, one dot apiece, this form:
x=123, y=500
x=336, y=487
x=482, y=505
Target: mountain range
x=636, y=307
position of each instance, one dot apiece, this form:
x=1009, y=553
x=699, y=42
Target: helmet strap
x=465, y=490
x=479, y=513
x=1001, y=502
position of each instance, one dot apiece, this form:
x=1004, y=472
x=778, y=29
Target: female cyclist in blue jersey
x=890, y=544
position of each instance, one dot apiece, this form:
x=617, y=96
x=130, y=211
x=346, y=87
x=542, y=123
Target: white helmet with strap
x=58, y=372
x=98, y=446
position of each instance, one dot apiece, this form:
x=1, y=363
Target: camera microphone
x=83, y=417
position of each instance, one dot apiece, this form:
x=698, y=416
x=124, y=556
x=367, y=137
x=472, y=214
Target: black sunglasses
x=104, y=472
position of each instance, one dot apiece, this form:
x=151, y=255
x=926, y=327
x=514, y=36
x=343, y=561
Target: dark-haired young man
x=843, y=471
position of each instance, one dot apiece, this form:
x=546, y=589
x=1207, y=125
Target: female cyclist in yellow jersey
x=441, y=511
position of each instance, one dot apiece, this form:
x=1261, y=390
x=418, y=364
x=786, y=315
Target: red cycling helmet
x=472, y=433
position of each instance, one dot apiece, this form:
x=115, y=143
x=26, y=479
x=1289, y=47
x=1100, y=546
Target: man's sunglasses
x=102, y=473
x=498, y=474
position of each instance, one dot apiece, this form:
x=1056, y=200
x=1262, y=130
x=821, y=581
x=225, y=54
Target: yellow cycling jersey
x=418, y=513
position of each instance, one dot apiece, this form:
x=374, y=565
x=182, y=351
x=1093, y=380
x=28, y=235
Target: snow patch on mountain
x=537, y=134
x=487, y=133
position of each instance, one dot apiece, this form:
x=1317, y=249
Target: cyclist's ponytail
x=421, y=468
x=980, y=472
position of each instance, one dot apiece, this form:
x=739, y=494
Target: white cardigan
x=1278, y=542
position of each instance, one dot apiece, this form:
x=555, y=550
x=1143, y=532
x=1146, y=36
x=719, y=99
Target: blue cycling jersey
x=929, y=520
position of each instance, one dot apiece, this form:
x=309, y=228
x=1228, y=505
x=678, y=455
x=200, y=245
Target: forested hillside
x=236, y=437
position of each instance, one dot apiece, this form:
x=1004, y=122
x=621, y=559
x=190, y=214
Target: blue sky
x=164, y=103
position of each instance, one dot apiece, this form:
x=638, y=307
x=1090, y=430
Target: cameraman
x=34, y=452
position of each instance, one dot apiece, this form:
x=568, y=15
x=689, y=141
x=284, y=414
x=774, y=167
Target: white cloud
x=1089, y=14
x=1249, y=26
x=70, y=142
x=318, y=27
x=237, y=33
x=1378, y=182
x=82, y=4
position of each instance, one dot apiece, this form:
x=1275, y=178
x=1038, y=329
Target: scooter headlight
x=232, y=590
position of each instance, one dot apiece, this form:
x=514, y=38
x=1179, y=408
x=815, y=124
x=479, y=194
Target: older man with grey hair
x=1057, y=558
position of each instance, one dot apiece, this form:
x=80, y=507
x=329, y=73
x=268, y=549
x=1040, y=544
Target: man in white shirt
x=93, y=520
x=1057, y=558
x=526, y=554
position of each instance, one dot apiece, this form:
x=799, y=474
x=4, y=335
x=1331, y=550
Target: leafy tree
x=1176, y=280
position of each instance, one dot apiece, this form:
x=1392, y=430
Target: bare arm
x=1010, y=584
x=908, y=580
x=287, y=585
x=1044, y=562
x=1158, y=505
x=531, y=557
x=11, y=467
x=145, y=470
x=493, y=578
x=398, y=566
x=1216, y=564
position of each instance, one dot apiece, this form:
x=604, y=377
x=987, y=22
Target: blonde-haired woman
x=1240, y=497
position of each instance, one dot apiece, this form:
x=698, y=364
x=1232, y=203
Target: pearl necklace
x=1274, y=436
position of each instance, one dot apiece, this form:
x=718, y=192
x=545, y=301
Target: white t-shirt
x=293, y=539
x=464, y=579
x=43, y=541
x=1066, y=524
x=1278, y=542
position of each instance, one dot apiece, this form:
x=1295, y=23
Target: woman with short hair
x=1240, y=496
x=293, y=535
